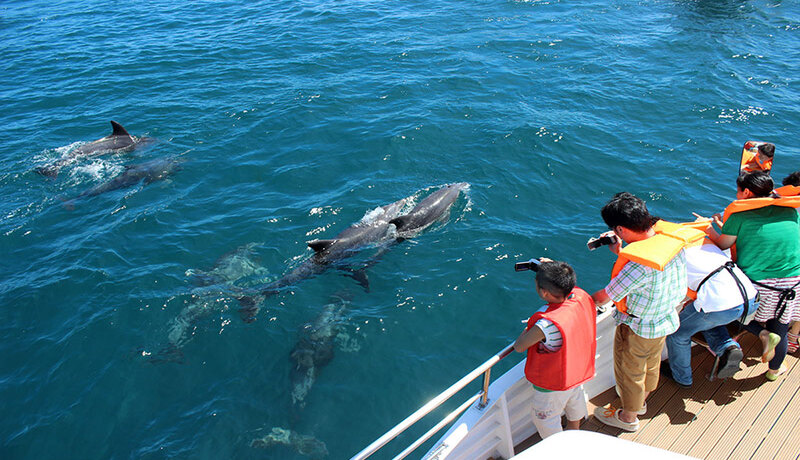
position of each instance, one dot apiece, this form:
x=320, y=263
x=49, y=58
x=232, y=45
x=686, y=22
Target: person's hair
x=767, y=149
x=627, y=211
x=557, y=278
x=792, y=179
x=758, y=182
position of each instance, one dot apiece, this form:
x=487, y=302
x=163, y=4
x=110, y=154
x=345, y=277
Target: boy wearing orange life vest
x=561, y=342
x=761, y=160
x=646, y=290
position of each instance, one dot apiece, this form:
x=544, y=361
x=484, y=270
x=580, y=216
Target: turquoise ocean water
x=295, y=119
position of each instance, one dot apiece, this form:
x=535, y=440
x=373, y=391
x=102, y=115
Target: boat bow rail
x=484, y=369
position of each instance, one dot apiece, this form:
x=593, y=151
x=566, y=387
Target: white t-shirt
x=552, y=336
x=553, y=339
x=720, y=292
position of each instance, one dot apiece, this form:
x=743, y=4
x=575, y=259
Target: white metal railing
x=485, y=369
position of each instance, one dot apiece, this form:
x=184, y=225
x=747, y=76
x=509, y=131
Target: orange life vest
x=573, y=363
x=785, y=200
x=789, y=197
x=788, y=190
x=658, y=250
x=750, y=155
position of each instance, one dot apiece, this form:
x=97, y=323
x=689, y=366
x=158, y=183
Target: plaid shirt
x=653, y=297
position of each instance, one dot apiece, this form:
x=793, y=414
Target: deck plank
x=718, y=412
x=672, y=415
x=781, y=433
x=737, y=416
x=756, y=434
x=711, y=405
x=790, y=449
x=682, y=438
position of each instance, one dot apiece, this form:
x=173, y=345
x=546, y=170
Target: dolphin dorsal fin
x=400, y=222
x=320, y=245
x=118, y=130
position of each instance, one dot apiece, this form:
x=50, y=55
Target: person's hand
x=715, y=219
x=545, y=259
x=615, y=246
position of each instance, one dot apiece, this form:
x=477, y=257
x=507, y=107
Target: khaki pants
x=637, y=362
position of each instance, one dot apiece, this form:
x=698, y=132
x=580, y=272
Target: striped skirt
x=768, y=305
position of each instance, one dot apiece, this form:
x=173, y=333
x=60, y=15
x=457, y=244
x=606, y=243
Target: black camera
x=605, y=240
x=532, y=264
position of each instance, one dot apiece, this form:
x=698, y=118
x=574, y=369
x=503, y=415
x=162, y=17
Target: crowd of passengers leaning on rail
x=670, y=282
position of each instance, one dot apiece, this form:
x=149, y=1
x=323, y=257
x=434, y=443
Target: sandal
x=774, y=376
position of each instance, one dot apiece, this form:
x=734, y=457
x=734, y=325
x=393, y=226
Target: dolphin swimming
x=229, y=269
x=372, y=230
x=306, y=445
x=385, y=225
x=314, y=349
x=147, y=172
x=119, y=141
x=431, y=209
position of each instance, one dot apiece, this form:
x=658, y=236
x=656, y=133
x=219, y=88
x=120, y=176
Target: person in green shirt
x=794, y=329
x=768, y=251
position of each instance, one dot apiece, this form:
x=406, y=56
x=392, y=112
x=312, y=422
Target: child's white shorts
x=549, y=405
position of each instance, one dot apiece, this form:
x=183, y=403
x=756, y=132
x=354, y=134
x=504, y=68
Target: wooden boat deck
x=743, y=417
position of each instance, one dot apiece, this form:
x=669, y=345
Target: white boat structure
x=754, y=420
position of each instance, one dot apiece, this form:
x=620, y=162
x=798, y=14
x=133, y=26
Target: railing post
x=487, y=376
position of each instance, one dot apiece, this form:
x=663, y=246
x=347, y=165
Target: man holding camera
x=648, y=282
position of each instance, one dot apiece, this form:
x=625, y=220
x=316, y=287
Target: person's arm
x=722, y=241
x=601, y=297
x=631, y=277
x=528, y=339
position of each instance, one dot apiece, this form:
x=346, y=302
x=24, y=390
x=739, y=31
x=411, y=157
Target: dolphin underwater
x=431, y=209
x=119, y=141
x=149, y=171
x=305, y=445
x=314, y=349
x=229, y=268
x=373, y=229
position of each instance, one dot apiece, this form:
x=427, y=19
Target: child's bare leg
x=576, y=425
